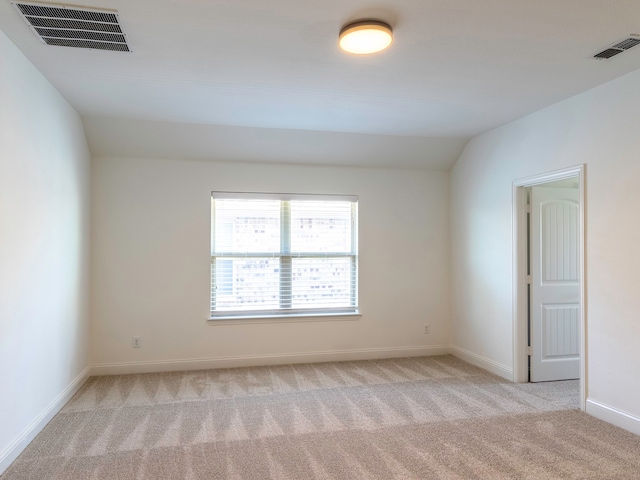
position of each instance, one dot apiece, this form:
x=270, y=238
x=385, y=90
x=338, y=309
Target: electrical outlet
x=136, y=342
x=427, y=330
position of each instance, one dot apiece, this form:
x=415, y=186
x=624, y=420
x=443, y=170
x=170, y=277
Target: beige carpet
x=414, y=418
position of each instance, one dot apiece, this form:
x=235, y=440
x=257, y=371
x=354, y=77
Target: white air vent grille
x=627, y=44
x=608, y=53
x=619, y=47
x=77, y=27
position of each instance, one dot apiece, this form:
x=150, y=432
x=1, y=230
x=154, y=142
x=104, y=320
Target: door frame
x=519, y=281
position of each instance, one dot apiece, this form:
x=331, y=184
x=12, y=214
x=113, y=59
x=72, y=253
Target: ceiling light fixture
x=365, y=37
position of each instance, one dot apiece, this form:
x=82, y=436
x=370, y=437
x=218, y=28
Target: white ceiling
x=142, y=138
x=457, y=67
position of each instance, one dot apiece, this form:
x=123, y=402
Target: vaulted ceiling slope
x=457, y=67
x=116, y=137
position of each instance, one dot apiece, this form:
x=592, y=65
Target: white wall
x=151, y=264
x=600, y=129
x=44, y=233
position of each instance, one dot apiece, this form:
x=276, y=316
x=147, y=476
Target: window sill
x=294, y=318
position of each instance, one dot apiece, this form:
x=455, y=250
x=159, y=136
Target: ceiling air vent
x=619, y=47
x=79, y=27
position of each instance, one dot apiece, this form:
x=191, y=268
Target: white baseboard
x=15, y=447
x=614, y=416
x=482, y=362
x=262, y=360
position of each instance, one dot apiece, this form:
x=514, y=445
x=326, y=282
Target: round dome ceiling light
x=365, y=37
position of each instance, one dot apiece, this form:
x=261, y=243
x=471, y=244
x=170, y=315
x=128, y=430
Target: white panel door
x=555, y=290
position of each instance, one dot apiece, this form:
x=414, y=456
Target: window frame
x=286, y=312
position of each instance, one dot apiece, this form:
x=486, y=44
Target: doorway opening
x=549, y=319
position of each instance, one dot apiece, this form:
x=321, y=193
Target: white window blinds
x=283, y=254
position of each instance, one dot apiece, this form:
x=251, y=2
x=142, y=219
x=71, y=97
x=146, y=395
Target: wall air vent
x=619, y=47
x=71, y=26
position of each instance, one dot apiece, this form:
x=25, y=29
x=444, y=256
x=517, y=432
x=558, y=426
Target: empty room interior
x=238, y=241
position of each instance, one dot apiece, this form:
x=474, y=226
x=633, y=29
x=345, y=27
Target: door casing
x=519, y=280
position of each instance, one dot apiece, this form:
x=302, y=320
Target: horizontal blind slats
x=251, y=271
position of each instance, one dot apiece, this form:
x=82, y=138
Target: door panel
x=560, y=331
x=555, y=288
x=559, y=236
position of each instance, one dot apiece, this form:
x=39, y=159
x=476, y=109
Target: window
x=283, y=254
